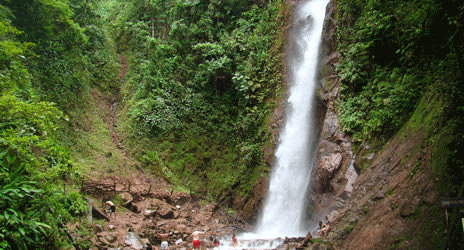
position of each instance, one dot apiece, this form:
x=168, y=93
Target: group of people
x=195, y=240
x=324, y=228
x=110, y=209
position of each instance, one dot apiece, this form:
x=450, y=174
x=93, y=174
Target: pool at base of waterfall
x=254, y=244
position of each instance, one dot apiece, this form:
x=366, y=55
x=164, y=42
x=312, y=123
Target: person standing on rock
x=234, y=240
x=111, y=208
x=196, y=239
x=323, y=228
x=327, y=226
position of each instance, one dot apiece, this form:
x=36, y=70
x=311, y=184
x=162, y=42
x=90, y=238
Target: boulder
x=307, y=240
x=103, y=241
x=126, y=197
x=327, y=166
x=407, y=208
x=97, y=228
x=332, y=162
x=165, y=211
x=127, y=200
x=134, y=241
x=97, y=214
x=111, y=238
x=148, y=213
x=350, y=175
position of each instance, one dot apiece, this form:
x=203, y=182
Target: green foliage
x=41, y=48
x=390, y=52
x=32, y=163
x=203, y=77
x=432, y=234
x=379, y=108
x=347, y=230
x=402, y=61
x=18, y=226
x=67, y=61
x=14, y=78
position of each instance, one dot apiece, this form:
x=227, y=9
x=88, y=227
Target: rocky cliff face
x=334, y=173
x=376, y=198
x=391, y=198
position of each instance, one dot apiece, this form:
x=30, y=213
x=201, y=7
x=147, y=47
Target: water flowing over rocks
x=283, y=212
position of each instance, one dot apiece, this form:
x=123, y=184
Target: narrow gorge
x=254, y=118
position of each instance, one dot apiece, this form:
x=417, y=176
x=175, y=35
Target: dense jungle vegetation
x=51, y=54
x=403, y=57
x=202, y=80
x=201, y=85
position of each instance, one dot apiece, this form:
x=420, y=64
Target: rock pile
x=144, y=218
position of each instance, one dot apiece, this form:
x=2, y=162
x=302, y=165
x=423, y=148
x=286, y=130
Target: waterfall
x=283, y=212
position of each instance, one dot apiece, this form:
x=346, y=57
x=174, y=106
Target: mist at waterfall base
x=284, y=208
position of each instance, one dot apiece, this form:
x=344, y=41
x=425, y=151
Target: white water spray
x=283, y=213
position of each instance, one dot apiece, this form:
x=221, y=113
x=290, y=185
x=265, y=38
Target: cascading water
x=283, y=213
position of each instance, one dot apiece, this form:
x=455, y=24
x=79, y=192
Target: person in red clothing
x=196, y=239
x=234, y=240
x=214, y=240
